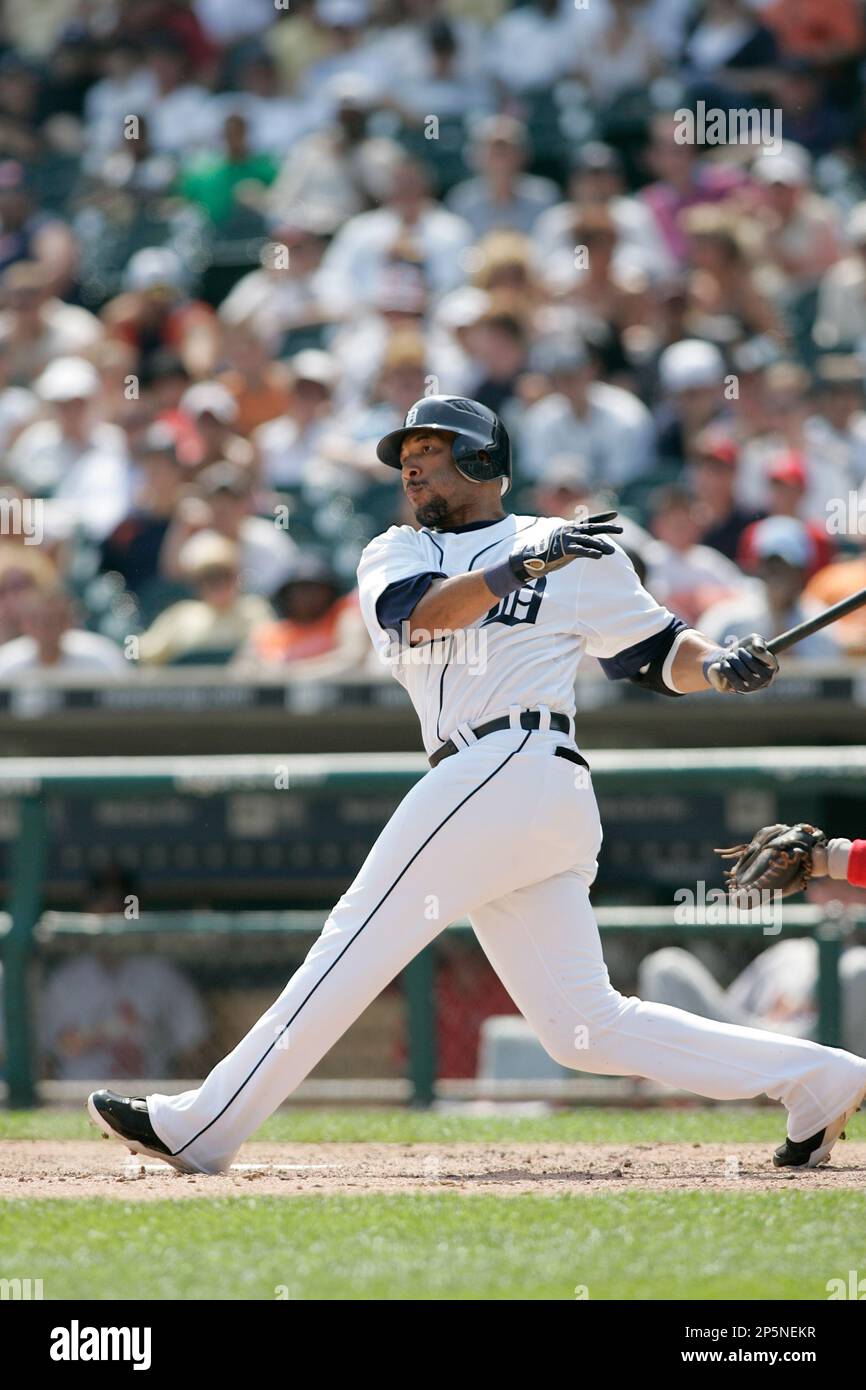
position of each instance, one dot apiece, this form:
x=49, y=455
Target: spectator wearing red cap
x=786, y=485
x=712, y=476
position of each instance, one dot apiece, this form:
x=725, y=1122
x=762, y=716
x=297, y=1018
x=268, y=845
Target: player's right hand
x=566, y=543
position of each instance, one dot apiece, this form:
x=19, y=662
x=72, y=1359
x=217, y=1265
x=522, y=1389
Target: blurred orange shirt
x=833, y=583
x=814, y=28
x=284, y=641
x=256, y=405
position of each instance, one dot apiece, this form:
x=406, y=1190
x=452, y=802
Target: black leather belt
x=529, y=719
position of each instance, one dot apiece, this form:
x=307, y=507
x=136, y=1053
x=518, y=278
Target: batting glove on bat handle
x=744, y=666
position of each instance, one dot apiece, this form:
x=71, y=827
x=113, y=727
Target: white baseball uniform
x=505, y=831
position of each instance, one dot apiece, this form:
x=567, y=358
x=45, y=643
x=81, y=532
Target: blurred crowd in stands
x=239, y=238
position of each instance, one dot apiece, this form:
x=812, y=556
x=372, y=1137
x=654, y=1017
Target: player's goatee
x=432, y=513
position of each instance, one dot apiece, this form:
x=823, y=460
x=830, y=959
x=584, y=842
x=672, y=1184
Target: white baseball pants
x=507, y=833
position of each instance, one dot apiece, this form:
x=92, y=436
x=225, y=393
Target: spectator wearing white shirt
x=768, y=416
x=605, y=425
x=691, y=376
x=18, y=404
x=401, y=380
x=350, y=50
x=840, y=320
x=267, y=552
x=612, y=303
x=284, y=292
x=77, y=460
x=623, y=57
x=802, y=229
x=40, y=327
x=597, y=180
x=404, y=48
x=436, y=70
x=682, y=574
x=211, y=410
x=777, y=991
x=226, y=22
x=501, y=195
x=120, y=1016
x=214, y=624
x=400, y=305
x=834, y=434
x=354, y=261
x=665, y=21
x=274, y=120
x=287, y=445
x=126, y=89
x=178, y=113
x=326, y=175
x=51, y=643
x=535, y=45
x=131, y=165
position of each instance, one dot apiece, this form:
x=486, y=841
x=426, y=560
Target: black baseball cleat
x=810, y=1153
x=126, y=1118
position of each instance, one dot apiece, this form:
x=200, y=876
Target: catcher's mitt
x=779, y=859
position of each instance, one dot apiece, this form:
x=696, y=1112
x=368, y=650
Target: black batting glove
x=744, y=666
x=569, y=542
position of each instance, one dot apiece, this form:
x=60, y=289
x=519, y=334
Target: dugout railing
x=29, y=783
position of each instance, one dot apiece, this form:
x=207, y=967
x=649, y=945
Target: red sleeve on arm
x=857, y=864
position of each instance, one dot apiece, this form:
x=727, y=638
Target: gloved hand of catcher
x=780, y=858
x=566, y=543
x=745, y=665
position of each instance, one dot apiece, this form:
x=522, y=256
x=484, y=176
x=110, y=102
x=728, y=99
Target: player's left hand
x=745, y=665
x=567, y=543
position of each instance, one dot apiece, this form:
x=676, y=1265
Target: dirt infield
x=38, y=1168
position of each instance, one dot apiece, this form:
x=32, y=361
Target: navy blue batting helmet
x=481, y=448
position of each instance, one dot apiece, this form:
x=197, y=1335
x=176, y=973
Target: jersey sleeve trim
x=668, y=667
x=395, y=604
x=645, y=663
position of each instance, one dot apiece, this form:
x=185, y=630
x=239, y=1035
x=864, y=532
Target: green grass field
x=654, y=1245
x=783, y=1244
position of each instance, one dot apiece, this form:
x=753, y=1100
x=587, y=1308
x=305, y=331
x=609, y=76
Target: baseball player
x=504, y=828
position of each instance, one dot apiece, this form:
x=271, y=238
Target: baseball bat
x=830, y=615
